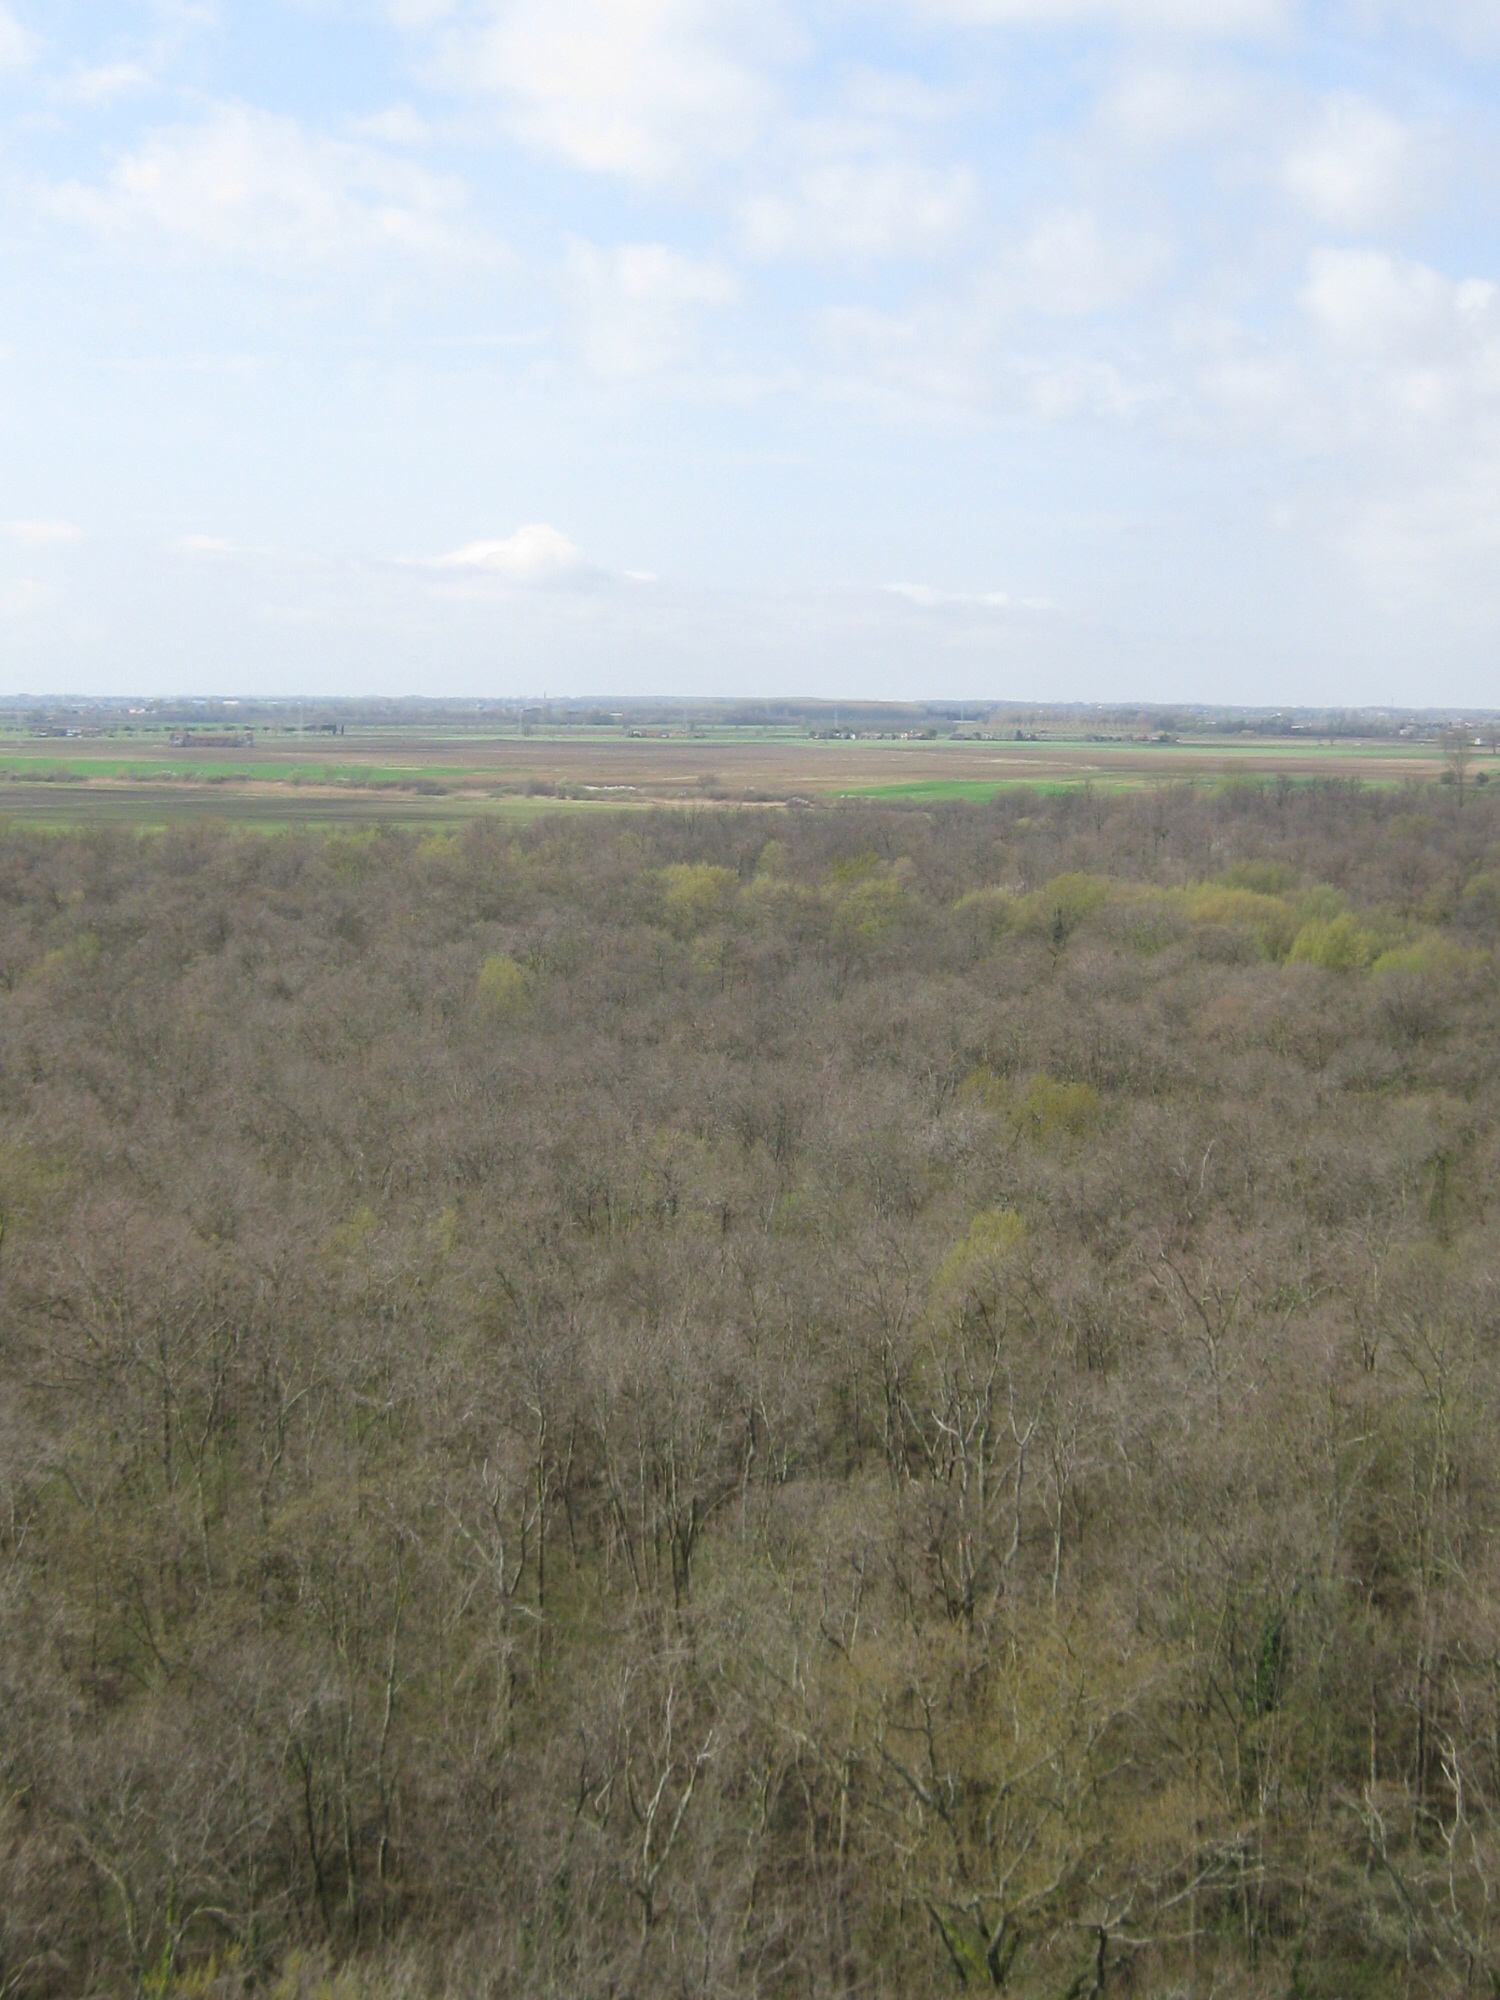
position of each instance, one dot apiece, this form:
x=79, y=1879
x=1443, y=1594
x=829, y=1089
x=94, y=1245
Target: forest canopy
x=866, y=1401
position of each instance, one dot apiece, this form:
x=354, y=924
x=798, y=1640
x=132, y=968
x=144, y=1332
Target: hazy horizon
x=795, y=707
x=1124, y=351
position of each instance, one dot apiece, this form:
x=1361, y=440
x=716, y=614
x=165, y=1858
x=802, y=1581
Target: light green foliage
x=1149, y=922
x=304, y=1980
x=1411, y=826
x=870, y=907
x=79, y=955
x=1266, y=878
x=1012, y=1811
x=1042, y=1108
x=30, y=1184
x=353, y=856
x=1337, y=944
x=770, y=900
x=855, y=868
x=1484, y=888
x=1429, y=957
x=1314, y=928
x=695, y=894
x=1272, y=920
x=1068, y=900
x=991, y=912
x=1249, y=897
x=984, y=1087
x=1047, y=1107
x=868, y=898
x=439, y=845
x=442, y=1231
x=504, y=988
x=348, y=1236
x=975, y=1274
x=1319, y=904
x=771, y=894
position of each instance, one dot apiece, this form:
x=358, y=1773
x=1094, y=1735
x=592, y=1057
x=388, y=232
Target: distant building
x=212, y=739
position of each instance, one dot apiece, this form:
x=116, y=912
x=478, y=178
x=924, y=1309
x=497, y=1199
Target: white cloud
x=847, y=180
x=892, y=97
x=1472, y=24
x=994, y=344
x=1062, y=390
x=1372, y=302
x=1254, y=391
x=246, y=183
x=1391, y=381
x=957, y=356
x=536, y=553
x=1386, y=397
x=1411, y=361
x=18, y=45
x=1359, y=168
x=1070, y=265
x=1401, y=390
x=862, y=208
x=187, y=14
x=104, y=84
x=398, y=125
x=1208, y=19
x=1153, y=108
x=19, y=599
x=644, y=88
x=983, y=600
x=638, y=304
x=1438, y=536
x=940, y=353
x=41, y=534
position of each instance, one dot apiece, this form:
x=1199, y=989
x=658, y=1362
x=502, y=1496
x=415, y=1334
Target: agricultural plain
x=421, y=775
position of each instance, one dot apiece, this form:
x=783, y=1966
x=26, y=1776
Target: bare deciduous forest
x=861, y=1402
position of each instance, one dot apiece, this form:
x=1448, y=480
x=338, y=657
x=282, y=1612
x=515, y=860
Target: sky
x=1052, y=350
